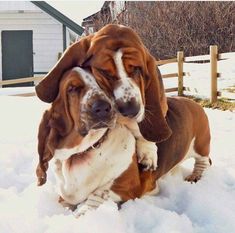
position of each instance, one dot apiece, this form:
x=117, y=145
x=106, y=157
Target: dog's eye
x=136, y=70
x=106, y=74
x=72, y=89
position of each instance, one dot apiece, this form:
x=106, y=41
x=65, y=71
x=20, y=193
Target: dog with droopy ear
x=123, y=67
x=80, y=107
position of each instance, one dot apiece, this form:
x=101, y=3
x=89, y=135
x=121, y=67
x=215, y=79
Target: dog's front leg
x=94, y=200
x=146, y=150
x=146, y=153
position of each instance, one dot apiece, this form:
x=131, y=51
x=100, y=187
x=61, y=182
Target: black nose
x=101, y=109
x=128, y=109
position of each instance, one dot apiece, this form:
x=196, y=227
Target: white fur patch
x=191, y=152
x=90, y=82
x=147, y=153
x=128, y=88
x=103, y=165
x=87, y=78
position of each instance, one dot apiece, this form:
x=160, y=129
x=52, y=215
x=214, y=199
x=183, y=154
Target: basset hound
x=94, y=150
x=124, y=69
x=89, y=147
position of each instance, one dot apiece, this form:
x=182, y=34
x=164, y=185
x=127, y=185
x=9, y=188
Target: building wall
x=47, y=32
x=17, y=5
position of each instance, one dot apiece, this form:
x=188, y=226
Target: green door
x=17, y=55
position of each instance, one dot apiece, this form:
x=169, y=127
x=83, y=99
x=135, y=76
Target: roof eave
x=59, y=16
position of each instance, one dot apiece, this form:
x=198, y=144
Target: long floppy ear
x=154, y=126
x=75, y=55
x=43, y=150
x=56, y=123
x=61, y=120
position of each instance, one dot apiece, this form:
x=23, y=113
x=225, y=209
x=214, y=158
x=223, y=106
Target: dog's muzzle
x=98, y=113
x=101, y=110
x=128, y=109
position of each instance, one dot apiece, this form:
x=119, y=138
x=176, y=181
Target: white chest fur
x=102, y=165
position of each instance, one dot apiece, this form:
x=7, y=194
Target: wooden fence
x=213, y=58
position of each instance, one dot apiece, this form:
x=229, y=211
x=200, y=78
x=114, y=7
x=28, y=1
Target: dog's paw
x=193, y=178
x=92, y=203
x=147, y=154
x=81, y=210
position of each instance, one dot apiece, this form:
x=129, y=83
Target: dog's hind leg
x=201, y=148
x=201, y=164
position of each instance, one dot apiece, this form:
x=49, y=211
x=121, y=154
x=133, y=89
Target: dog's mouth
x=95, y=132
x=92, y=141
x=97, y=143
x=107, y=120
x=102, y=124
x=97, y=125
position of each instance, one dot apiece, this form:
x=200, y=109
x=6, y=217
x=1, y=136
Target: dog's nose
x=101, y=109
x=128, y=109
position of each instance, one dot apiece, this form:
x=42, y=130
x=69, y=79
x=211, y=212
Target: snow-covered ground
x=180, y=207
x=16, y=90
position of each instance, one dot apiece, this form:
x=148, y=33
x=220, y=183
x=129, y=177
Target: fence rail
x=171, y=75
x=197, y=58
x=20, y=80
x=26, y=94
x=213, y=58
x=163, y=62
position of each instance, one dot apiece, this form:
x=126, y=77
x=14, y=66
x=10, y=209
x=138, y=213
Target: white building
x=32, y=37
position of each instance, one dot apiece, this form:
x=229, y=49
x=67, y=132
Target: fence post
x=180, y=60
x=213, y=63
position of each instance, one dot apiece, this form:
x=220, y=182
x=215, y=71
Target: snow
x=16, y=90
x=205, y=207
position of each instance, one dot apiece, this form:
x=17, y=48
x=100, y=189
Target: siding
x=47, y=32
x=16, y=6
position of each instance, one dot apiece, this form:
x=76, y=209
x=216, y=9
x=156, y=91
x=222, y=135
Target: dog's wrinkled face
x=88, y=106
x=126, y=91
x=121, y=76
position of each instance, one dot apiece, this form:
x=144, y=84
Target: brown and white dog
x=89, y=148
x=125, y=70
x=95, y=155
